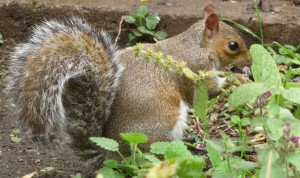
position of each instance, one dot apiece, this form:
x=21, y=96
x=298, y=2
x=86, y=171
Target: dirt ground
x=16, y=23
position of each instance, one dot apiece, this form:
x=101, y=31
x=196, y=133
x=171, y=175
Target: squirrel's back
x=64, y=79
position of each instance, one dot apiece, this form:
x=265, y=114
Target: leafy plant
x=178, y=160
x=145, y=25
x=14, y=137
x=223, y=162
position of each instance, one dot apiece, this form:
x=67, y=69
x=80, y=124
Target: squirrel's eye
x=233, y=45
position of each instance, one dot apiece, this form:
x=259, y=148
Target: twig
x=269, y=165
x=120, y=29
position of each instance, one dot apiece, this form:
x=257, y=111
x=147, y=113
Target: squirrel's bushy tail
x=63, y=80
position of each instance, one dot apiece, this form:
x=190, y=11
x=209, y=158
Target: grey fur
x=51, y=112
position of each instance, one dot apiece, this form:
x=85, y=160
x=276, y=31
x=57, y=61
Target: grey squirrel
x=68, y=78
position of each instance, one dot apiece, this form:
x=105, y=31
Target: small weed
x=14, y=136
x=145, y=25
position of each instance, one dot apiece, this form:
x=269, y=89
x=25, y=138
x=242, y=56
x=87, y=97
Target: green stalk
x=134, y=146
x=259, y=21
x=297, y=113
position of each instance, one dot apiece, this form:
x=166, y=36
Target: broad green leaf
x=135, y=137
x=294, y=159
x=214, y=151
x=295, y=62
x=245, y=93
x=296, y=71
x=276, y=127
x=177, y=150
x=293, y=94
x=256, y=123
x=159, y=147
x=192, y=167
x=200, y=101
x=245, y=165
x=152, y=159
x=273, y=108
x=110, y=173
x=263, y=67
x=151, y=21
x=111, y=163
x=106, y=143
x=160, y=35
x=129, y=19
x=137, y=17
x=235, y=119
x=245, y=121
x=144, y=30
x=142, y=11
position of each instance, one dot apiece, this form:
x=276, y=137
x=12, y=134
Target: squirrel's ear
x=211, y=26
x=208, y=10
x=212, y=22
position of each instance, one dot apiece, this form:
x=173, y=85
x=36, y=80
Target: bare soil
x=16, y=23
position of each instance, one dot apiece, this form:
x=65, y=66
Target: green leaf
x=281, y=59
x=144, y=30
x=235, y=119
x=244, y=28
x=152, y=159
x=106, y=143
x=151, y=21
x=131, y=37
x=137, y=33
x=15, y=139
x=294, y=158
x=47, y=169
x=159, y=147
x=142, y=11
x=111, y=163
x=296, y=71
x=292, y=85
x=295, y=62
x=192, y=167
x=263, y=67
x=245, y=165
x=110, y=173
x=200, y=101
x=129, y=19
x=214, y=151
x=177, y=150
x=245, y=93
x=135, y=137
x=273, y=108
x=293, y=94
x=245, y=121
x=160, y=35
x=276, y=127
x=257, y=122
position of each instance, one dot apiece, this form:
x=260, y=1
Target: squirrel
x=69, y=78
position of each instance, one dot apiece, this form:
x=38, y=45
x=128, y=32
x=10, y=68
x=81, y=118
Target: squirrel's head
x=223, y=41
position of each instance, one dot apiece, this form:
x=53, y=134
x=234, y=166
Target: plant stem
x=123, y=158
x=259, y=21
x=134, y=146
